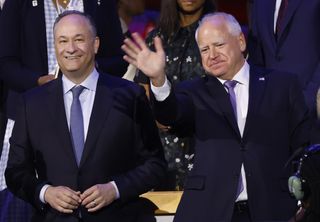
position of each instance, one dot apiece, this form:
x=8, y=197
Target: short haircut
x=92, y=24
x=232, y=24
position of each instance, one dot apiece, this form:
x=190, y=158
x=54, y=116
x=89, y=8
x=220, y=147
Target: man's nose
x=213, y=53
x=71, y=47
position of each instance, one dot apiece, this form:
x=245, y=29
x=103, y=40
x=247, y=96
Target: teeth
x=72, y=57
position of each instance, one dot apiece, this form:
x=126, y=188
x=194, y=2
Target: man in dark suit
x=27, y=53
x=284, y=35
x=246, y=122
x=63, y=177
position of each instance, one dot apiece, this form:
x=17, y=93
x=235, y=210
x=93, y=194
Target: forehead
x=213, y=30
x=72, y=24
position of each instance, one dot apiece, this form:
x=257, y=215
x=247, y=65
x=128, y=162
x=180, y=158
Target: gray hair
x=232, y=24
x=92, y=24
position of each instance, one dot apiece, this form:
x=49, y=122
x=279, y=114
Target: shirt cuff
x=42, y=192
x=117, y=191
x=162, y=92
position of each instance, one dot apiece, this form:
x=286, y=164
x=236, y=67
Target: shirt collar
x=89, y=83
x=242, y=76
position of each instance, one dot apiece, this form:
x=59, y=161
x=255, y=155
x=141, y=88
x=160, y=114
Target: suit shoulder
x=39, y=91
x=191, y=84
x=118, y=84
x=273, y=74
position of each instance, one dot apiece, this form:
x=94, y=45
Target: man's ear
x=242, y=42
x=96, y=44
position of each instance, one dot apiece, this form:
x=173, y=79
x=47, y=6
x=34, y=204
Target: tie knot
x=230, y=84
x=77, y=90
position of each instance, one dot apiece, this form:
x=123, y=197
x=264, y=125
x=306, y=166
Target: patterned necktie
x=76, y=123
x=282, y=11
x=230, y=84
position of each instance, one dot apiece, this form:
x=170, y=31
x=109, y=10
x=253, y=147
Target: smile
x=72, y=57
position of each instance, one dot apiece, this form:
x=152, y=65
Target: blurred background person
x=305, y=185
x=12, y=208
x=134, y=18
x=284, y=35
x=177, y=24
x=27, y=59
x=127, y=9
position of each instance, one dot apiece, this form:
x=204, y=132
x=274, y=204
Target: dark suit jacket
x=23, y=46
x=276, y=124
x=122, y=145
x=297, y=49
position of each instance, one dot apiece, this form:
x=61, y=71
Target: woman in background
x=177, y=25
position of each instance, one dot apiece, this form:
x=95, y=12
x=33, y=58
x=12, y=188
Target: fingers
x=140, y=41
x=158, y=45
x=62, y=198
x=98, y=196
x=132, y=47
x=95, y=205
x=45, y=79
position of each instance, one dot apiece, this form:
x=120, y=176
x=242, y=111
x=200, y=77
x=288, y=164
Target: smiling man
x=246, y=122
x=84, y=146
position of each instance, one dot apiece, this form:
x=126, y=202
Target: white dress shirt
x=276, y=12
x=1, y=3
x=242, y=97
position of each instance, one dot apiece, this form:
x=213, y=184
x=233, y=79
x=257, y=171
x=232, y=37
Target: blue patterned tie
x=76, y=123
x=230, y=84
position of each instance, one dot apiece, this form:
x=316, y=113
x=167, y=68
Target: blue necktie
x=76, y=123
x=230, y=84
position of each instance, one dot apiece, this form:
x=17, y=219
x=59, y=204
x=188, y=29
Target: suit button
x=242, y=146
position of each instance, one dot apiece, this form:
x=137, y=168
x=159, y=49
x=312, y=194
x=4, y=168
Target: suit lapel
x=57, y=114
x=100, y=110
x=270, y=9
x=292, y=6
x=219, y=101
x=257, y=85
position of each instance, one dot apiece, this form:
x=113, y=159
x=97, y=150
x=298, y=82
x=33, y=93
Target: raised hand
x=150, y=63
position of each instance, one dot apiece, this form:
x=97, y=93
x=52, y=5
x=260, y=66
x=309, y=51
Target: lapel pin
x=34, y=3
x=261, y=78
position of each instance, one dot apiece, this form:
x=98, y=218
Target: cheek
x=59, y=50
x=204, y=60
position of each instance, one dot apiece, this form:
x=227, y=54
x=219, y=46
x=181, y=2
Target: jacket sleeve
x=20, y=174
x=150, y=165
